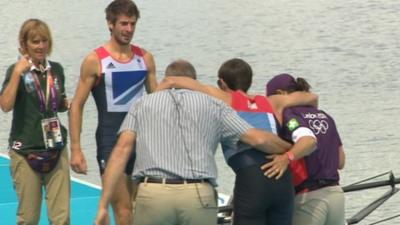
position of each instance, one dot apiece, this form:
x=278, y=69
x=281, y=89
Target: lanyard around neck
x=51, y=92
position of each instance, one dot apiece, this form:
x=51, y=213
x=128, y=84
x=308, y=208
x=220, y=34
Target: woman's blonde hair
x=32, y=28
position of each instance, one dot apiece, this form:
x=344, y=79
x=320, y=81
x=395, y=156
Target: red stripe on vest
x=101, y=52
x=240, y=102
x=136, y=50
x=299, y=171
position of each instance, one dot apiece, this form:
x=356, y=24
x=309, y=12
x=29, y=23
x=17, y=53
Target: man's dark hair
x=237, y=74
x=121, y=7
x=182, y=68
x=301, y=85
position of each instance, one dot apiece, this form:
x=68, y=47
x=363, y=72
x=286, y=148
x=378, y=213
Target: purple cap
x=282, y=81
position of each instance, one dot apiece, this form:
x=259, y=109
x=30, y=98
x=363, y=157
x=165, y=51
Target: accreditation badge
x=52, y=133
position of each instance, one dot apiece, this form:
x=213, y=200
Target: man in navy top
x=117, y=74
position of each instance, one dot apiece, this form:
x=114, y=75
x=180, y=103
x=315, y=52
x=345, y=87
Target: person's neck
x=122, y=48
x=230, y=91
x=227, y=90
x=246, y=94
x=39, y=64
x=119, y=52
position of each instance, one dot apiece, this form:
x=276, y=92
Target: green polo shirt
x=26, y=130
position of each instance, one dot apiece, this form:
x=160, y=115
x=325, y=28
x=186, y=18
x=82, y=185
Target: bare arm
x=115, y=167
x=151, y=80
x=88, y=77
x=304, y=146
x=7, y=98
x=189, y=83
x=342, y=158
x=280, y=102
x=265, y=141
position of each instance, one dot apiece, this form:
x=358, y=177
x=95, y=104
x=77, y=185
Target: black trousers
x=259, y=200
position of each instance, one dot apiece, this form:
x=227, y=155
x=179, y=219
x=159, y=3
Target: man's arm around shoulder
x=195, y=85
x=297, y=98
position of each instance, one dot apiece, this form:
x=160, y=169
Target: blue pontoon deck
x=84, y=199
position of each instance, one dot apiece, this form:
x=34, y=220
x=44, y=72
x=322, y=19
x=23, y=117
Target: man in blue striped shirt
x=176, y=132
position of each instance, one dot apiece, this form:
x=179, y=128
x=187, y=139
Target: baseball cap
x=282, y=81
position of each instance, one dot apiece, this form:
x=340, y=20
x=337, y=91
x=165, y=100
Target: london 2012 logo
x=318, y=126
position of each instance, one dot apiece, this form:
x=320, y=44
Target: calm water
x=347, y=49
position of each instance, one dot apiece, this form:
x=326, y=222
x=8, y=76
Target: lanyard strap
x=50, y=92
x=51, y=89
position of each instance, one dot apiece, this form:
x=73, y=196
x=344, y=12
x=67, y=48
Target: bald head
x=181, y=68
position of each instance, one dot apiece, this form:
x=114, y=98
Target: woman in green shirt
x=34, y=90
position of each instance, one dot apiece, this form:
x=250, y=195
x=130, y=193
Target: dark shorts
x=259, y=200
x=104, y=149
x=102, y=160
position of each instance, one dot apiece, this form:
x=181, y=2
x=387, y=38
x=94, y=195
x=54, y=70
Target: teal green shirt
x=26, y=130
